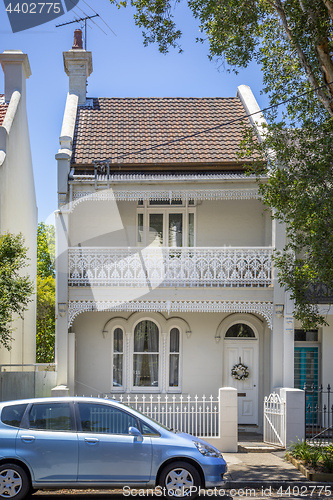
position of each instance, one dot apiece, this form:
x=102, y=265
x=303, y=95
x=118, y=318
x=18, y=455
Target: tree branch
x=326, y=101
x=329, y=6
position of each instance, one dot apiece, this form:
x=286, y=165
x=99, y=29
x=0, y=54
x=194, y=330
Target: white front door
x=246, y=352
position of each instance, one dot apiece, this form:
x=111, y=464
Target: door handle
x=91, y=440
x=28, y=439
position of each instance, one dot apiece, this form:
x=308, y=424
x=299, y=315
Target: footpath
x=264, y=468
x=261, y=470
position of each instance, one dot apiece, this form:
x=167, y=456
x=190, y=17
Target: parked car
x=98, y=443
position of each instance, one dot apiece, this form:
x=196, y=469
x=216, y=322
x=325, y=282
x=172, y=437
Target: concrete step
x=257, y=447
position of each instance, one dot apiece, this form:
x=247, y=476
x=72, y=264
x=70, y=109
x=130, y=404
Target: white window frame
x=122, y=387
x=184, y=209
x=129, y=383
x=164, y=328
x=172, y=389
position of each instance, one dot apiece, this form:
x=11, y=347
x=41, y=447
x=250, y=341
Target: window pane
x=50, y=417
x=118, y=340
x=145, y=370
x=147, y=430
x=191, y=230
x=140, y=228
x=118, y=346
x=174, y=340
x=156, y=229
x=306, y=336
x=240, y=330
x=174, y=370
x=12, y=415
x=153, y=203
x=105, y=419
x=175, y=230
x=146, y=337
x=117, y=370
x=165, y=202
x=145, y=364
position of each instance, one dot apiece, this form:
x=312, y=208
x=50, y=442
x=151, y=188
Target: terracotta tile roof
x=120, y=127
x=3, y=108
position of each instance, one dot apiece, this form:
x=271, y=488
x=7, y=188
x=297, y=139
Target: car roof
x=59, y=399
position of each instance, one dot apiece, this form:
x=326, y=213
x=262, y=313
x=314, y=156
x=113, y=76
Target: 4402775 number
x=314, y=491
x=34, y=8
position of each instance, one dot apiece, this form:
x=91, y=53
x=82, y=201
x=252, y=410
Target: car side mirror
x=133, y=431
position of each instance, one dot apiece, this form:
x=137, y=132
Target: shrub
x=327, y=460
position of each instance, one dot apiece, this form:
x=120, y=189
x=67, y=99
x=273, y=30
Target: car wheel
x=180, y=480
x=14, y=482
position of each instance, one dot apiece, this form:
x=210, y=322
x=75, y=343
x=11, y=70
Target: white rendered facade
x=178, y=259
x=18, y=211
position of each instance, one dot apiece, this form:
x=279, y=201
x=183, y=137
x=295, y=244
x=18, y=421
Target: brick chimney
x=78, y=66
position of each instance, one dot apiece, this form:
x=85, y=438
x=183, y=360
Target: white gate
x=274, y=420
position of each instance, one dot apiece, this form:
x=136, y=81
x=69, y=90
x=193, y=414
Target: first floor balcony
x=170, y=267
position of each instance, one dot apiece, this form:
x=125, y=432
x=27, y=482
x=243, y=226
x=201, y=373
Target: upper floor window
x=166, y=223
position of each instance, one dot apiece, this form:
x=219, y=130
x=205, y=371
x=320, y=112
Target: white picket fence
x=197, y=416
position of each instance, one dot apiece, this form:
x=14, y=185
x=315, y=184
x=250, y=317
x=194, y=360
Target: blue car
x=98, y=443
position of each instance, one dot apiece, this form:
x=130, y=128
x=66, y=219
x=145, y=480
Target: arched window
x=240, y=330
x=174, y=352
x=118, y=357
x=146, y=354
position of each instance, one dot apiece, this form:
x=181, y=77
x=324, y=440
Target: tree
x=292, y=41
x=15, y=289
x=45, y=294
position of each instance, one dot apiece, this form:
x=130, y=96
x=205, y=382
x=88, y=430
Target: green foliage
x=292, y=42
x=45, y=319
x=15, y=289
x=298, y=448
x=45, y=294
x=300, y=192
x=314, y=456
x=327, y=459
x=45, y=250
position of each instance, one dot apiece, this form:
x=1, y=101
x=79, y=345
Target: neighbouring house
x=165, y=279
x=18, y=210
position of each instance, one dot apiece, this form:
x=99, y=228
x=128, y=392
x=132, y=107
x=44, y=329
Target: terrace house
x=165, y=279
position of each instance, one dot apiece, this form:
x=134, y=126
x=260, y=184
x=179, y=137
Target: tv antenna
x=79, y=20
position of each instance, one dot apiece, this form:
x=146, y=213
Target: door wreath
x=240, y=371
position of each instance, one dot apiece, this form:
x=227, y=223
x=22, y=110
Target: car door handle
x=28, y=439
x=91, y=440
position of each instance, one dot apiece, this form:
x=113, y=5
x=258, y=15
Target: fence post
x=295, y=414
x=228, y=419
x=60, y=390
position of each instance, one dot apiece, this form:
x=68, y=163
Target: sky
x=122, y=67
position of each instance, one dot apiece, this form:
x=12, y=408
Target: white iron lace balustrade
x=170, y=267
